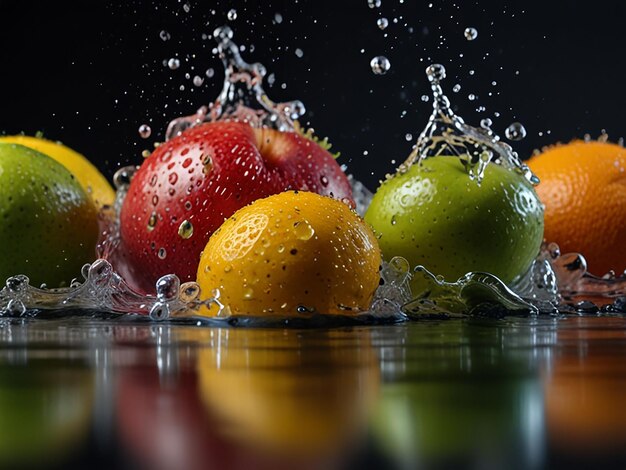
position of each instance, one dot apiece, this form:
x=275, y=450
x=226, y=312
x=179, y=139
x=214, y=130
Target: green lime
x=48, y=225
x=434, y=215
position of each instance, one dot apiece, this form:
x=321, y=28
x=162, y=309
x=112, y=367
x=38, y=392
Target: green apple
x=48, y=225
x=434, y=215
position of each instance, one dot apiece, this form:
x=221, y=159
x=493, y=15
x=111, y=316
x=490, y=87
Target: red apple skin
x=203, y=176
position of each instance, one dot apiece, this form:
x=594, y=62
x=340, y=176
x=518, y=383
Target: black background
x=90, y=73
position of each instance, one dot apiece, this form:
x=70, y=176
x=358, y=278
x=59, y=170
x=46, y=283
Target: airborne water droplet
x=380, y=65
x=471, y=34
x=145, y=131
x=373, y=3
x=232, y=14
x=173, y=63
x=164, y=35
x=515, y=131
x=198, y=80
x=382, y=23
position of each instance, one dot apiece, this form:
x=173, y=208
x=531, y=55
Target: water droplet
x=15, y=308
x=198, y=80
x=278, y=18
x=159, y=312
x=173, y=63
x=374, y=3
x=222, y=33
x=164, y=35
x=144, y=131
x=123, y=176
x=516, y=131
x=189, y=291
x=209, y=72
x=303, y=230
x=486, y=123
x=168, y=287
x=435, y=73
x=471, y=97
x=17, y=283
x=408, y=137
x=456, y=88
x=232, y=14
x=185, y=229
x=299, y=53
x=248, y=293
x=152, y=221
x=382, y=23
x=471, y=34
x=380, y=65
x=425, y=98
x=187, y=7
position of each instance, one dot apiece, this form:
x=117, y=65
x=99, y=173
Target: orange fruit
x=292, y=253
x=583, y=188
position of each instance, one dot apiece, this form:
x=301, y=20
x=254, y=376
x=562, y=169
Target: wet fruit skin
x=288, y=251
x=434, y=215
x=48, y=224
x=186, y=189
x=583, y=188
x=92, y=181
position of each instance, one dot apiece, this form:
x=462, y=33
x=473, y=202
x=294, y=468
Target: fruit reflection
x=44, y=413
x=263, y=399
x=297, y=392
x=586, y=389
x=459, y=399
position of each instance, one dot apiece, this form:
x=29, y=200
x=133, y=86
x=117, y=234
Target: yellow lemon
x=293, y=252
x=92, y=181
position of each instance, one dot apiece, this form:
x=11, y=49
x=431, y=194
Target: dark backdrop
x=89, y=73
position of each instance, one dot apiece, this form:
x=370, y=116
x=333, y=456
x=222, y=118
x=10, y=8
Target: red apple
x=186, y=189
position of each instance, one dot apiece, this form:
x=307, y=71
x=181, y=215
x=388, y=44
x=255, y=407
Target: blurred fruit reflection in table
x=45, y=409
x=462, y=395
x=585, y=391
x=255, y=398
x=531, y=393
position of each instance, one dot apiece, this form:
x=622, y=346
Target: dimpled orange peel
x=583, y=188
x=292, y=253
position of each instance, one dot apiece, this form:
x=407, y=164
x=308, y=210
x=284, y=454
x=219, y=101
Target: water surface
x=474, y=393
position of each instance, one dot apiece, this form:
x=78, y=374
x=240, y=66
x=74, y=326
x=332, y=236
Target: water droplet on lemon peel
x=322, y=255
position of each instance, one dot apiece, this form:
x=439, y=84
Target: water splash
x=447, y=134
x=104, y=290
x=476, y=293
x=242, y=98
